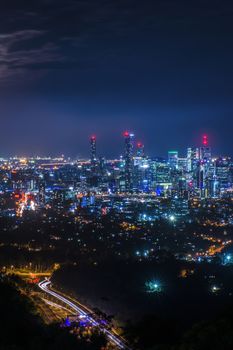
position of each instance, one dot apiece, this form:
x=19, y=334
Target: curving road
x=82, y=310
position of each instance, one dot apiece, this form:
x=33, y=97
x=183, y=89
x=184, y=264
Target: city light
x=172, y=218
x=215, y=289
x=153, y=287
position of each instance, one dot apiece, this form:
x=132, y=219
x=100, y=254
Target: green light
x=153, y=287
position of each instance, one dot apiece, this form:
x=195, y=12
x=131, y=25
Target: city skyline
x=97, y=150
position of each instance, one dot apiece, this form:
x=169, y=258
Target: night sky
x=70, y=69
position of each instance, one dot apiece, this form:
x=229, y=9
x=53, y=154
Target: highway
x=81, y=310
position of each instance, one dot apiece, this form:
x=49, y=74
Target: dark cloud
x=15, y=61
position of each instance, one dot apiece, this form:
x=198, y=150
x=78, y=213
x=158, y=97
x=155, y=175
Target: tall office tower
x=192, y=158
x=173, y=159
x=129, y=141
x=204, y=176
x=160, y=176
x=93, y=150
x=223, y=173
x=163, y=178
x=205, y=150
x=140, y=150
x=141, y=174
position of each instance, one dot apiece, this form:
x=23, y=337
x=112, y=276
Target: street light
x=172, y=218
x=153, y=287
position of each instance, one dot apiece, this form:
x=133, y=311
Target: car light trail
x=45, y=287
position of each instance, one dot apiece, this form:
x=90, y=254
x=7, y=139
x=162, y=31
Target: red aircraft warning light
x=93, y=137
x=205, y=140
x=126, y=133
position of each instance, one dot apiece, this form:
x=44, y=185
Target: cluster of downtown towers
x=197, y=174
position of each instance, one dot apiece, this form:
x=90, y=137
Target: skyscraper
x=93, y=150
x=204, y=166
x=140, y=150
x=205, y=150
x=129, y=141
x=192, y=159
x=173, y=159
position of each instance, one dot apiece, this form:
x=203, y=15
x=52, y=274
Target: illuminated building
x=179, y=207
x=141, y=174
x=173, y=159
x=129, y=142
x=205, y=150
x=182, y=164
x=41, y=193
x=204, y=167
x=192, y=158
x=222, y=174
x=140, y=150
x=58, y=198
x=160, y=176
x=93, y=150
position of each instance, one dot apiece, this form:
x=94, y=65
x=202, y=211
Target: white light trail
x=44, y=285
